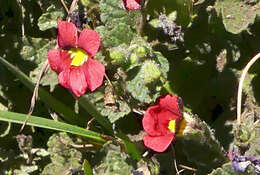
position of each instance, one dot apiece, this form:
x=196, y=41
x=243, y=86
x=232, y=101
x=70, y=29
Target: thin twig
x=35, y=93
x=145, y=154
x=187, y=168
x=240, y=86
x=174, y=160
x=72, y=6
x=109, y=82
x=22, y=16
x=89, y=123
x=65, y=6
x=63, y=141
x=138, y=111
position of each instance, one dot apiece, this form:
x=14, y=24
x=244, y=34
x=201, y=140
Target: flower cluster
x=73, y=62
x=161, y=122
x=240, y=163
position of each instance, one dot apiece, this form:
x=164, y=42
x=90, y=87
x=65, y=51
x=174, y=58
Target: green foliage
x=87, y=168
x=112, y=110
x=200, y=146
x=62, y=155
x=49, y=19
x=120, y=34
x=236, y=15
x=112, y=14
x=113, y=162
x=143, y=62
x=147, y=74
x=227, y=169
x=35, y=50
x=247, y=136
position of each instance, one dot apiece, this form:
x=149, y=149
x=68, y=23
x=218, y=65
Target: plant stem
x=240, y=86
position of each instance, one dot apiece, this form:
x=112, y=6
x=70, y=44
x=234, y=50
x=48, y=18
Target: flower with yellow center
x=74, y=60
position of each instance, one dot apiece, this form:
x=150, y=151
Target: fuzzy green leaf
x=112, y=13
x=63, y=157
x=236, y=15
x=49, y=19
x=120, y=34
x=113, y=162
x=35, y=50
x=112, y=111
x=148, y=78
x=227, y=169
x=200, y=145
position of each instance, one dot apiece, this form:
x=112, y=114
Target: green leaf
x=227, y=169
x=112, y=111
x=64, y=158
x=35, y=50
x=182, y=7
x=92, y=110
x=113, y=162
x=87, y=168
x=49, y=19
x=236, y=15
x=200, y=145
x=45, y=96
x=90, y=107
x=120, y=34
x=49, y=124
x=112, y=13
x=148, y=78
x=130, y=147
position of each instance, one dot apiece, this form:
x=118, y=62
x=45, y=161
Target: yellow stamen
x=78, y=56
x=182, y=127
x=172, y=125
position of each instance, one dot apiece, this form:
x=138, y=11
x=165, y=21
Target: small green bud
x=243, y=134
x=173, y=16
x=151, y=71
x=133, y=58
x=85, y=2
x=141, y=52
x=116, y=55
x=154, y=23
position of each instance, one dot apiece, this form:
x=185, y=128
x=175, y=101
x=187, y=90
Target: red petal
x=59, y=60
x=89, y=40
x=74, y=79
x=172, y=103
x=156, y=121
x=94, y=72
x=133, y=4
x=67, y=35
x=158, y=144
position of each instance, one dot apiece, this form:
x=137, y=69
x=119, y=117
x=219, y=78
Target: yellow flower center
x=172, y=125
x=78, y=56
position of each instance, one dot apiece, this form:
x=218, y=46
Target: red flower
x=132, y=4
x=73, y=62
x=161, y=122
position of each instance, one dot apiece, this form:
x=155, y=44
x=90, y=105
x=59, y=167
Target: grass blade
x=50, y=124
